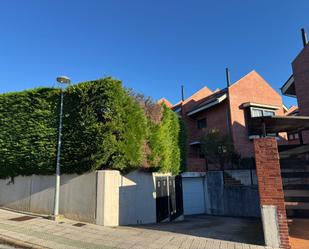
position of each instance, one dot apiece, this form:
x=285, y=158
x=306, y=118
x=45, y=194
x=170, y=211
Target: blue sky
x=151, y=45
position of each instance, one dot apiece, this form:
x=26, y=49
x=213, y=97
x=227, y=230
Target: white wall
x=36, y=194
x=104, y=197
x=126, y=199
x=137, y=203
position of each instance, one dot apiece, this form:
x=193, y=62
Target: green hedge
x=164, y=143
x=104, y=127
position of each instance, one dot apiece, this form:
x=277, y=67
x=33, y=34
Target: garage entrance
x=193, y=195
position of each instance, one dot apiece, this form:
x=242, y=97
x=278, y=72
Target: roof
x=194, y=99
x=209, y=101
x=165, y=102
x=276, y=124
x=288, y=88
x=292, y=111
x=253, y=104
x=203, y=92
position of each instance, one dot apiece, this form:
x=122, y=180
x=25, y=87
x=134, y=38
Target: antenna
x=304, y=36
x=182, y=93
x=228, y=79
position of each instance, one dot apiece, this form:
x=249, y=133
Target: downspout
x=229, y=117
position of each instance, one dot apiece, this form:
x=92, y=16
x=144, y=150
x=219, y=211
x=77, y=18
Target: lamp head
x=63, y=80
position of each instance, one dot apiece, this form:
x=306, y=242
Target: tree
x=218, y=148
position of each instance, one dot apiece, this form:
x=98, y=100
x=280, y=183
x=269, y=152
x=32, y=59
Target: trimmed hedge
x=164, y=143
x=104, y=127
x=28, y=134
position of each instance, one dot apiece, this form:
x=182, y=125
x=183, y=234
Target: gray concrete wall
x=104, y=197
x=108, y=197
x=16, y=194
x=245, y=176
x=36, y=194
x=231, y=200
x=137, y=203
x=126, y=199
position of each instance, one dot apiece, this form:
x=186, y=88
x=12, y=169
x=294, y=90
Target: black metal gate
x=169, y=201
x=295, y=179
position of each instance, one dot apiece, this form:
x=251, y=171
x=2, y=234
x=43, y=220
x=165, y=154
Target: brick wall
x=216, y=118
x=250, y=88
x=196, y=164
x=270, y=183
x=301, y=77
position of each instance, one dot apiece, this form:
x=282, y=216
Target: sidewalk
x=36, y=232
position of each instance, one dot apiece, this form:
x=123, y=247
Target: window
x=268, y=113
x=196, y=152
x=257, y=112
x=293, y=136
x=254, y=112
x=202, y=123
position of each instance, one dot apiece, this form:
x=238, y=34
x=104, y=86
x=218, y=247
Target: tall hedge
x=164, y=143
x=104, y=127
x=28, y=134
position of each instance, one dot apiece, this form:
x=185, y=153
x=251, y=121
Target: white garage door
x=193, y=195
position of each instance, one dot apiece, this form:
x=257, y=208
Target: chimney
x=304, y=36
x=182, y=93
x=228, y=80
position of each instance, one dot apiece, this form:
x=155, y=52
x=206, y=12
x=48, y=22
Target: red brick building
x=229, y=110
x=298, y=86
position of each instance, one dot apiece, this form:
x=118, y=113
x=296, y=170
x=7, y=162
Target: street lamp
x=65, y=81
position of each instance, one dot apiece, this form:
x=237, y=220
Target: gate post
x=271, y=193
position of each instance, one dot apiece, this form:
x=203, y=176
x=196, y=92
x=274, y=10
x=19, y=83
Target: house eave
x=287, y=85
x=252, y=104
x=213, y=103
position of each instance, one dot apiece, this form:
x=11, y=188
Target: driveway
x=241, y=230
x=299, y=233
x=199, y=232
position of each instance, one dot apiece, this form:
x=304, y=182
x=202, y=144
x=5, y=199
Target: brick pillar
x=271, y=193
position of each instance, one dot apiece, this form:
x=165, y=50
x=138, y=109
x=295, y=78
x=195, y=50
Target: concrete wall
x=246, y=177
x=231, y=200
x=137, y=203
x=36, y=194
x=104, y=197
x=126, y=199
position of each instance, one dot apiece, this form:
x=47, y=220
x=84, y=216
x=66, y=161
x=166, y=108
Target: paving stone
x=66, y=236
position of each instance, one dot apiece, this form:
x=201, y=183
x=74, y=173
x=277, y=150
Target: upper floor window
x=293, y=136
x=258, y=112
x=201, y=123
x=253, y=112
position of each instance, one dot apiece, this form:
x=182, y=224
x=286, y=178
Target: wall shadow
x=243, y=230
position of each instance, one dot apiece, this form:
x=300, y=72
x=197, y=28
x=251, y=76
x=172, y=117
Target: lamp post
x=67, y=81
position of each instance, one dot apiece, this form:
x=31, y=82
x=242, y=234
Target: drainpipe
x=229, y=118
x=228, y=112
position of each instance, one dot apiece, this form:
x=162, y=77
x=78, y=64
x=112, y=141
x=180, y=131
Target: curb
x=19, y=243
x=25, y=213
